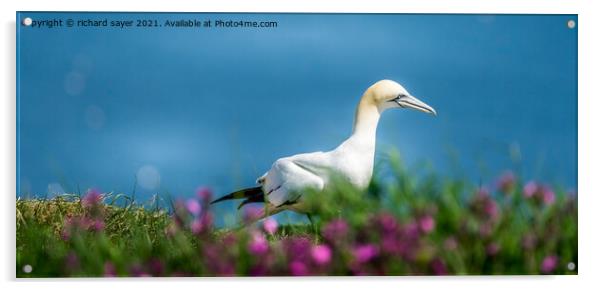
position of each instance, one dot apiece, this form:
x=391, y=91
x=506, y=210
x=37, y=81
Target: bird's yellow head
x=386, y=94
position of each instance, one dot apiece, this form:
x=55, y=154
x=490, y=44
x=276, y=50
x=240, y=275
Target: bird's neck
x=360, y=147
x=367, y=115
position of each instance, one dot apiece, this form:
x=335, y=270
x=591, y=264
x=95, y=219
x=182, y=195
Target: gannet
x=282, y=187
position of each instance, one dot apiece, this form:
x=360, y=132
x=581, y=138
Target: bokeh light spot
x=55, y=188
x=75, y=83
x=148, y=177
x=95, y=117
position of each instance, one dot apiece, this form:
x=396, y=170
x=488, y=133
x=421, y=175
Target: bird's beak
x=414, y=103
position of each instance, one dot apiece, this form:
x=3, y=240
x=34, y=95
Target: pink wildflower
x=321, y=254
x=258, y=244
x=109, y=270
x=335, y=230
x=427, y=223
x=270, y=225
x=204, y=194
x=506, y=182
x=548, y=196
x=92, y=198
x=297, y=268
x=530, y=189
x=365, y=253
x=549, y=264
x=193, y=206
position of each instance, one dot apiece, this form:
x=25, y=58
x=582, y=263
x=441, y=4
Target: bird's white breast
x=354, y=161
x=289, y=177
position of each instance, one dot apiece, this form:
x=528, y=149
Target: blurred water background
x=169, y=109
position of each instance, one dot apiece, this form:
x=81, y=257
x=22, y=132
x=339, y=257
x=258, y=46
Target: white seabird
x=282, y=187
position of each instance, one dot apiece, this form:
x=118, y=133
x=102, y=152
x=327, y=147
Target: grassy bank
x=408, y=226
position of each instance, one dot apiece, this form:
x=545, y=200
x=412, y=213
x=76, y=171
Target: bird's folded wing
x=290, y=176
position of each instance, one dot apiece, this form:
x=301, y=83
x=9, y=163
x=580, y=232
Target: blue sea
x=165, y=109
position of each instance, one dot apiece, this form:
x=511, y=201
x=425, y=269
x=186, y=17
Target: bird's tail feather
x=252, y=194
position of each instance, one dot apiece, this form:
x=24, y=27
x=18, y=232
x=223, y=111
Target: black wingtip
x=225, y=197
x=244, y=193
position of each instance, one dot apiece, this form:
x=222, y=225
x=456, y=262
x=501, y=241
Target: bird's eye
x=399, y=97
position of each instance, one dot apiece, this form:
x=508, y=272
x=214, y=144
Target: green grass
x=407, y=226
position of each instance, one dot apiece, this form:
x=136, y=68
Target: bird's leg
x=313, y=226
x=311, y=221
